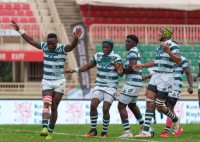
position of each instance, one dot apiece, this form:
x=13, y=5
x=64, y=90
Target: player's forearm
x=73, y=44
x=175, y=58
x=189, y=79
x=148, y=65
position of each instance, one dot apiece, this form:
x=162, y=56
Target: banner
x=82, y=57
x=78, y=112
x=21, y=56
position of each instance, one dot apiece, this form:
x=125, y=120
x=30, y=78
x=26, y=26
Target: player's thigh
x=59, y=86
x=47, y=88
x=109, y=97
x=171, y=102
x=98, y=94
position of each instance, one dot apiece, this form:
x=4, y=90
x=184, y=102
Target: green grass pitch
x=74, y=133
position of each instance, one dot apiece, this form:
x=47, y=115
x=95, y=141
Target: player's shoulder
x=173, y=43
x=134, y=50
x=183, y=59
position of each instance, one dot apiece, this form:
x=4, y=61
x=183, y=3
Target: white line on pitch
x=58, y=133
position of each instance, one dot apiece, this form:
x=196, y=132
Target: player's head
x=165, y=33
x=52, y=41
x=107, y=46
x=131, y=41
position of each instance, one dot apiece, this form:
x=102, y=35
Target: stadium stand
x=40, y=17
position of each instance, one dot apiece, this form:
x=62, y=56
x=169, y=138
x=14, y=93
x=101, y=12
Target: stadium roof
x=187, y=5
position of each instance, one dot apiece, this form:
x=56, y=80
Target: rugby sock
x=170, y=114
x=51, y=128
x=106, y=121
x=125, y=123
x=148, y=117
x=44, y=123
x=167, y=128
x=139, y=119
x=169, y=122
x=93, y=119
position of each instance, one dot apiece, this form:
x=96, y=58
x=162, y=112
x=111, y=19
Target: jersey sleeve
x=175, y=50
x=42, y=45
x=94, y=59
x=62, y=46
x=133, y=55
x=185, y=64
x=118, y=59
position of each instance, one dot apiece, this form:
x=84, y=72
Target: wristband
x=76, y=69
x=21, y=31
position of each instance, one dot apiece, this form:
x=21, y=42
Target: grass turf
x=74, y=133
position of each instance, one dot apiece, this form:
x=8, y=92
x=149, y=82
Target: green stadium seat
x=117, y=47
x=197, y=48
x=143, y=47
x=145, y=71
x=196, y=69
x=194, y=63
x=184, y=78
x=146, y=55
x=192, y=55
x=183, y=54
x=98, y=47
x=153, y=55
x=188, y=48
x=152, y=47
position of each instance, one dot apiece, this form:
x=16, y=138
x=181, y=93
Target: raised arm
x=71, y=46
x=24, y=35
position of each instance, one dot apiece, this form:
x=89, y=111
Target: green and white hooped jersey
x=107, y=76
x=53, y=62
x=163, y=62
x=134, y=78
x=178, y=73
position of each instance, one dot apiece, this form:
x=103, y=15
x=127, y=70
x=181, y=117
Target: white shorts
x=104, y=94
x=163, y=81
x=129, y=94
x=54, y=85
x=174, y=94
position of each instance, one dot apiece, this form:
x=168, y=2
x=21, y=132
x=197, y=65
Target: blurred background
x=21, y=65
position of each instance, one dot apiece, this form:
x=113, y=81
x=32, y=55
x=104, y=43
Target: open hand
x=14, y=25
x=69, y=71
x=78, y=32
x=137, y=67
x=165, y=47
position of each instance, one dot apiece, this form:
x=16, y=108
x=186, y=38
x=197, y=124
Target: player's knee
x=47, y=100
x=150, y=100
x=160, y=104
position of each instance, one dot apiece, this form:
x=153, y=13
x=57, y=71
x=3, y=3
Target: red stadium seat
x=5, y=19
x=8, y=6
x=11, y=12
x=3, y=12
x=32, y=19
x=17, y=6
x=1, y=6
x=25, y=6
x=29, y=13
x=16, y=19
x=20, y=12
x=24, y=19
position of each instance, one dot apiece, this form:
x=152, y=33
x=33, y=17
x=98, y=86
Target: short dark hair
x=133, y=37
x=52, y=35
